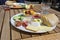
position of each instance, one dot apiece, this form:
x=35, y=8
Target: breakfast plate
x=21, y=6
x=24, y=29
x=18, y=5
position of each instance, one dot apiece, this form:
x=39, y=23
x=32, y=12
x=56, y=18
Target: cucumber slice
x=16, y=17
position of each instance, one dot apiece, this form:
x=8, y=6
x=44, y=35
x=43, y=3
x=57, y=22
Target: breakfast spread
x=34, y=21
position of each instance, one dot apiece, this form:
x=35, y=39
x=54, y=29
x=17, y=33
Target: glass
x=45, y=6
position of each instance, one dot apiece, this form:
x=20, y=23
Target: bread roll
x=9, y=3
x=50, y=19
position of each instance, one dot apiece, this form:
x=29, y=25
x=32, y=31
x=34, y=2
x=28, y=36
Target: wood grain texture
x=35, y=34
x=6, y=27
x=42, y=34
x=51, y=32
x=57, y=29
x=1, y=18
x=54, y=11
x=46, y=37
x=14, y=31
x=25, y=35
x=58, y=25
x=37, y=8
x=16, y=11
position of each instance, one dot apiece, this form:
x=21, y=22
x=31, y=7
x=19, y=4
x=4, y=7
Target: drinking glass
x=45, y=6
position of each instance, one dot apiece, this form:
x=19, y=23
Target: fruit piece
x=31, y=6
x=18, y=23
x=28, y=12
x=32, y=12
x=27, y=6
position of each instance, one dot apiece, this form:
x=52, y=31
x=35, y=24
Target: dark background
x=54, y=3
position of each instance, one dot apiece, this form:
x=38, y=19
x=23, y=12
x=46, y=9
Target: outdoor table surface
x=8, y=32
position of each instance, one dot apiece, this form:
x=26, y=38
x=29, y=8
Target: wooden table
x=8, y=32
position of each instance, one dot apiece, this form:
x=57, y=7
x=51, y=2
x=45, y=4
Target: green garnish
x=16, y=17
x=19, y=17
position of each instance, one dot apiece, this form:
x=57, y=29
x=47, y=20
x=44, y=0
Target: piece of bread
x=50, y=19
x=9, y=3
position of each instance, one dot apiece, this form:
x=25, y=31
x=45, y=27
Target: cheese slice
x=40, y=28
x=32, y=28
